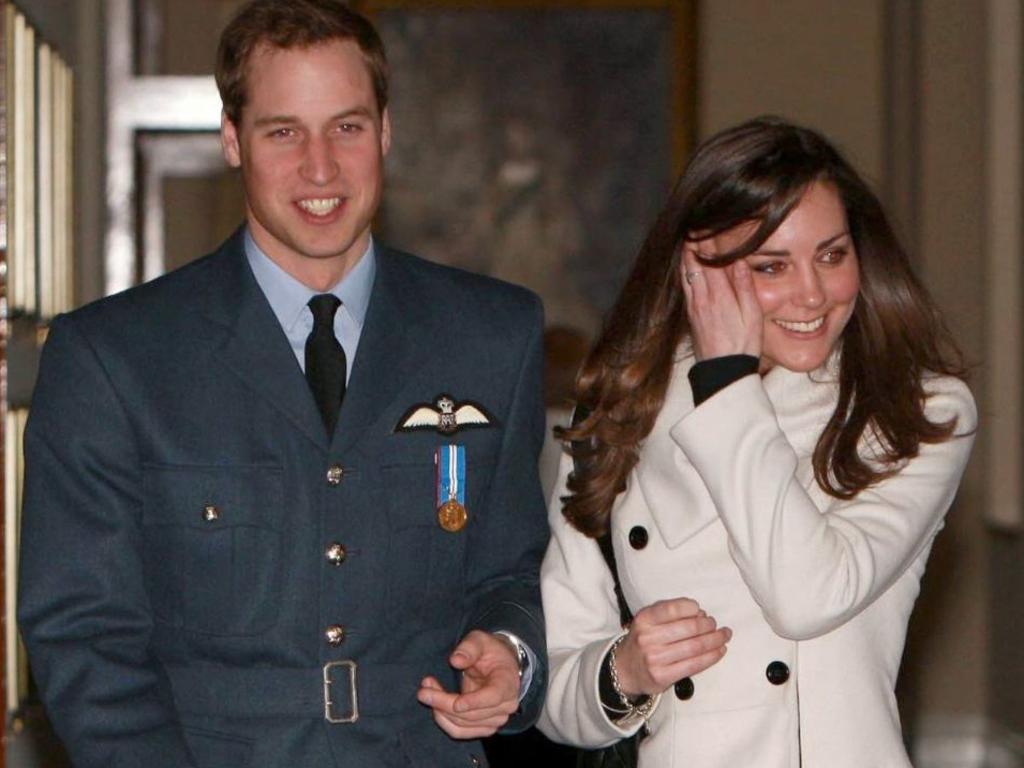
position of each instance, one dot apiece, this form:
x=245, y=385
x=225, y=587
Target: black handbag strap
x=604, y=542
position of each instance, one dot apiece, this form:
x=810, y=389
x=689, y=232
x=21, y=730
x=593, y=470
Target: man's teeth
x=320, y=207
x=813, y=325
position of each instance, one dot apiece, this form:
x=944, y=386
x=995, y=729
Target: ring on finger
x=691, y=275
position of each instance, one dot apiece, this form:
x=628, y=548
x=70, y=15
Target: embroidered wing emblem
x=446, y=417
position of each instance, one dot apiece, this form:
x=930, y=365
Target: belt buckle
x=329, y=715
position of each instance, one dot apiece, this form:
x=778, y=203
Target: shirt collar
x=288, y=297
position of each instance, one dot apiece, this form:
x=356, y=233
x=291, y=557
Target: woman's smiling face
x=806, y=278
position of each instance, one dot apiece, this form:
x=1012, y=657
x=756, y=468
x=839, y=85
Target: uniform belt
x=339, y=691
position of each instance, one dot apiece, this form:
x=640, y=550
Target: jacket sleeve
x=583, y=622
x=82, y=609
x=811, y=570
x=506, y=549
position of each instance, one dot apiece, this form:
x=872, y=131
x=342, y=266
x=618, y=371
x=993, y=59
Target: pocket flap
x=213, y=497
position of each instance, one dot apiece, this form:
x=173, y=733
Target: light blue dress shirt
x=289, y=299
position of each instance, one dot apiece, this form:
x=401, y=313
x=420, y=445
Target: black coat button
x=777, y=673
x=684, y=689
x=638, y=537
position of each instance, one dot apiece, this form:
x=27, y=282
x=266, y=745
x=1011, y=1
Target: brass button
x=211, y=513
x=334, y=473
x=335, y=553
x=335, y=634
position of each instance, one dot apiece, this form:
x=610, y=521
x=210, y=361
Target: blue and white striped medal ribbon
x=451, y=487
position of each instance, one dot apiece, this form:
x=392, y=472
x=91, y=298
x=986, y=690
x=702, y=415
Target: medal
x=450, y=461
x=452, y=516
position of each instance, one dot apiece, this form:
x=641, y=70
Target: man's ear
x=229, y=141
x=385, y=132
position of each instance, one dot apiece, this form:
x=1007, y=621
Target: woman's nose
x=811, y=291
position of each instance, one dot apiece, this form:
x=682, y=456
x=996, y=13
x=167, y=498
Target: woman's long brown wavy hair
x=758, y=172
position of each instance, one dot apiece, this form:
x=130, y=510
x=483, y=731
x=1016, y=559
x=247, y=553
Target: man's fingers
x=468, y=651
x=431, y=694
x=459, y=729
x=488, y=697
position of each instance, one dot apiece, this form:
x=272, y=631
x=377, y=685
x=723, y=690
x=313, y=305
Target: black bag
x=624, y=753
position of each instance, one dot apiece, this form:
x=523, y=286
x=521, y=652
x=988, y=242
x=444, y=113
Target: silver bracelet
x=647, y=703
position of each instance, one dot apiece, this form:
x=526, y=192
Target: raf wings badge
x=447, y=417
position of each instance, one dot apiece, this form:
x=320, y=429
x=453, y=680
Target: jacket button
x=211, y=513
x=334, y=474
x=777, y=673
x=684, y=689
x=335, y=634
x=638, y=537
x=335, y=554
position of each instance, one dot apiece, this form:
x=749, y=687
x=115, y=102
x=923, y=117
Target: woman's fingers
x=693, y=665
x=749, y=306
x=722, y=309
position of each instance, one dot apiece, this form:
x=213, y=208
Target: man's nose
x=319, y=165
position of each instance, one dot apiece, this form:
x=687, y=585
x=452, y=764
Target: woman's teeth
x=809, y=327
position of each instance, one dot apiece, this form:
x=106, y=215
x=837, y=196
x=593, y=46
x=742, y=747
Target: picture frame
x=535, y=140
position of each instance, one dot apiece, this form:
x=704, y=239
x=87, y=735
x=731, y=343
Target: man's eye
x=350, y=127
x=282, y=133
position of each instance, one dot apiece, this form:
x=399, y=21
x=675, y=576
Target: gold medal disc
x=452, y=516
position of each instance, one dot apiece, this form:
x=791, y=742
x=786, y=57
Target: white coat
x=734, y=519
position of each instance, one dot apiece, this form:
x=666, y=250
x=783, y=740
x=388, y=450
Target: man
x=282, y=505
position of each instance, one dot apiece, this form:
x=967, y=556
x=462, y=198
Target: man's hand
x=490, y=688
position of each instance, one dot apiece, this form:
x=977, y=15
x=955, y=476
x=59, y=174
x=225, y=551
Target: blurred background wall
x=905, y=87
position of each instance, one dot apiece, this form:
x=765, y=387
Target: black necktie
x=325, y=359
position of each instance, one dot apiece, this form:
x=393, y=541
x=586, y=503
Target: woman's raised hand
x=667, y=641
x=725, y=317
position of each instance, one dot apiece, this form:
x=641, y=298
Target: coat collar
x=672, y=489
x=394, y=341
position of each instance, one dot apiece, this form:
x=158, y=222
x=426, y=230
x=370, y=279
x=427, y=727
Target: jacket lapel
x=396, y=337
x=254, y=346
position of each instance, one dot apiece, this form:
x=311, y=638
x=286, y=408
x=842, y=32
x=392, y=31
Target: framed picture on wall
x=535, y=141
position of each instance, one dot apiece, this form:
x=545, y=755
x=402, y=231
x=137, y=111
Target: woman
x=778, y=424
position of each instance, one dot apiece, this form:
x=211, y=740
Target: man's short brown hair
x=292, y=24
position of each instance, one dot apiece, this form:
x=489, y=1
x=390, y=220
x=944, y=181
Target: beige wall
x=952, y=238
x=818, y=63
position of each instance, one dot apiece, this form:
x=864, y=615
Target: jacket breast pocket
x=212, y=547
x=426, y=562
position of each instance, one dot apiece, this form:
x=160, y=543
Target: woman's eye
x=833, y=255
x=769, y=267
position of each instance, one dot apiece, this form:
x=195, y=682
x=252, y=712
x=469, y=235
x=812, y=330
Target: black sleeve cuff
x=610, y=701
x=709, y=377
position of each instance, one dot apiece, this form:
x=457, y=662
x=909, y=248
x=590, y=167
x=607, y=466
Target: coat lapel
x=254, y=346
x=396, y=338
